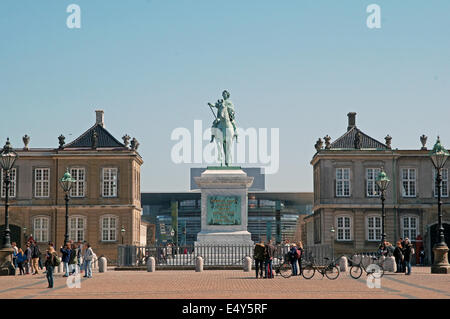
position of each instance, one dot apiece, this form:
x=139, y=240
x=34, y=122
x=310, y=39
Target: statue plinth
x=6, y=266
x=440, y=265
x=224, y=215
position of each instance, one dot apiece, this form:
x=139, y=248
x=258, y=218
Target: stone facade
x=346, y=198
x=97, y=209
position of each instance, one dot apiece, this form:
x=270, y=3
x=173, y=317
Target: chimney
x=351, y=120
x=100, y=117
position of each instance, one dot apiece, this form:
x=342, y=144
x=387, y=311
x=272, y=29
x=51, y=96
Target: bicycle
x=331, y=271
x=357, y=269
x=284, y=268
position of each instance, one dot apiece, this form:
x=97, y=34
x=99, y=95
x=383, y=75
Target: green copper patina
x=223, y=129
x=224, y=210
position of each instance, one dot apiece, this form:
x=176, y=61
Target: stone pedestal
x=6, y=266
x=224, y=215
x=441, y=265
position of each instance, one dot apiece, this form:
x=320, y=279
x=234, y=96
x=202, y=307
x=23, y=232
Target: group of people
x=263, y=255
x=76, y=258
x=402, y=253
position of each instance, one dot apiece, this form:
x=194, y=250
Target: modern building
x=104, y=199
x=182, y=212
x=347, y=198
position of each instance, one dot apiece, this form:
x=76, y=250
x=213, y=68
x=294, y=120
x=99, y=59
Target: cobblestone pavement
x=225, y=284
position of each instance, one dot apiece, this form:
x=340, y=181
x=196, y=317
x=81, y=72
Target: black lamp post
x=7, y=159
x=66, y=184
x=122, y=231
x=383, y=183
x=439, y=156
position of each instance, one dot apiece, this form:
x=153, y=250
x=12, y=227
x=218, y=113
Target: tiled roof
x=347, y=141
x=104, y=139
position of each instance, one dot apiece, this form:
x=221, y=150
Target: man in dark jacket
x=66, y=252
x=268, y=262
x=258, y=255
x=293, y=259
x=407, y=253
x=398, y=254
x=35, y=254
x=28, y=257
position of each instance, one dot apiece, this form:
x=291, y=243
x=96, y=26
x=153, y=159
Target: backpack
x=56, y=261
x=298, y=254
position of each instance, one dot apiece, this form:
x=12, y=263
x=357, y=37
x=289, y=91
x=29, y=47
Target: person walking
x=35, y=254
x=50, y=263
x=258, y=256
x=293, y=259
x=79, y=256
x=398, y=255
x=408, y=252
x=20, y=261
x=66, y=252
x=88, y=256
x=300, y=255
x=16, y=250
x=28, y=257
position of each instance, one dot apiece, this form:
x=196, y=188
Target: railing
x=213, y=255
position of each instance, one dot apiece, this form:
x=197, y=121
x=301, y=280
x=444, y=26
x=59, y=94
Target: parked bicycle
x=376, y=266
x=330, y=270
x=284, y=268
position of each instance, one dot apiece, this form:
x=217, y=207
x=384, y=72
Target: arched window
x=41, y=228
x=109, y=227
x=77, y=228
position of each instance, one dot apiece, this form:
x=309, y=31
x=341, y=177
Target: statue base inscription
x=224, y=207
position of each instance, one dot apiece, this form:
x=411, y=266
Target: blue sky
x=152, y=66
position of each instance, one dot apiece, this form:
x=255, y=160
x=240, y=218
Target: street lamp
x=332, y=231
x=66, y=184
x=7, y=159
x=383, y=183
x=439, y=156
x=122, y=231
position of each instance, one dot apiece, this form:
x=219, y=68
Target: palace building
x=105, y=200
x=347, y=199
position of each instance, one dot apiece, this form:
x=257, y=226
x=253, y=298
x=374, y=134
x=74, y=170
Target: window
x=343, y=228
x=12, y=185
x=374, y=228
x=372, y=189
x=409, y=227
x=77, y=228
x=444, y=183
x=342, y=182
x=109, y=185
x=109, y=230
x=40, y=229
x=78, y=188
x=42, y=182
x=409, y=182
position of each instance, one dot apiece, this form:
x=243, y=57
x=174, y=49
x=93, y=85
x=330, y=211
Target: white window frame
x=41, y=233
x=44, y=183
x=407, y=231
x=371, y=182
x=374, y=228
x=110, y=230
x=12, y=185
x=346, y=231
x=444, y=183
x=343, y=182
x=410, y=181
x=110, y=183
x=74, y=233
x=78, y=189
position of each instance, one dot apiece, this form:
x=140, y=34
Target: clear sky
x=152, y=66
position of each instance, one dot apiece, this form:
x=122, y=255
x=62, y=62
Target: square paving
x=224, y=284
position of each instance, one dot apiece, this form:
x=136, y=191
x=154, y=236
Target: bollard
x=199, y=264
x=247, y=264
x=151, y=264
x=102, y=265
x=94, y=261
x=389, y=264
x=343, y=264
x=356, y=259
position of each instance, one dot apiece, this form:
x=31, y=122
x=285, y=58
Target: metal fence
x=213, y=255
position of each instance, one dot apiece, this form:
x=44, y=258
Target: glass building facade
x=160, y=209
